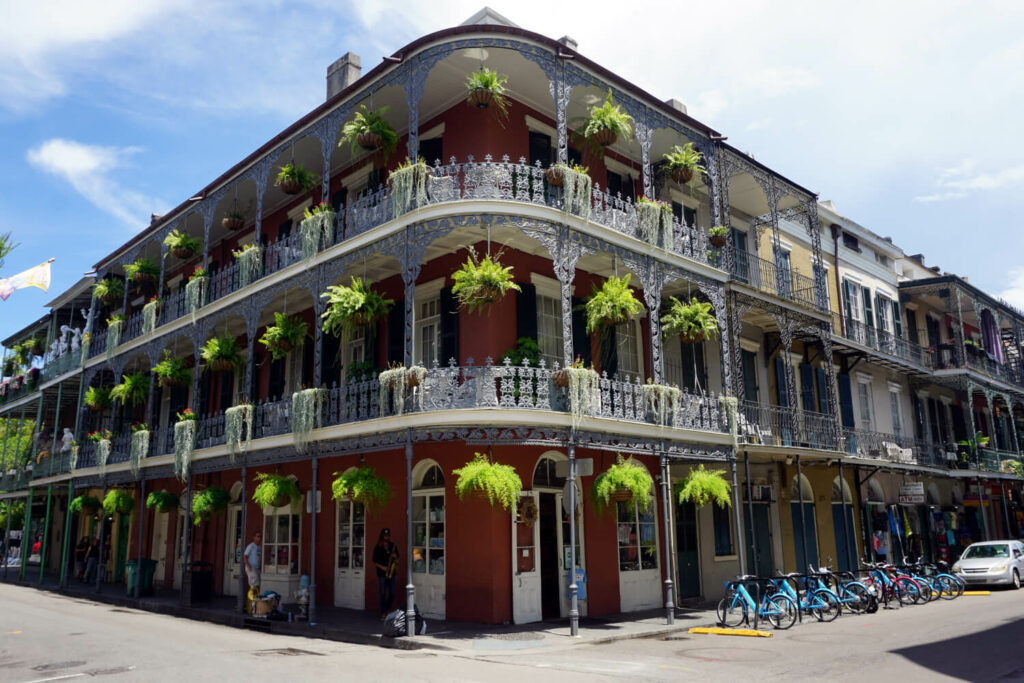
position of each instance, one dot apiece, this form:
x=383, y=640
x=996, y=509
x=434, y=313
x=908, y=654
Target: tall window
x=820, y=297
x=631, y=359
x=281, y=534
x=549, y=328
x=897, y=412
x=351, y=534
x=783, y=280
x=428, y=523
x=864, y=398
x=723, y=531
x=638, y=548
x=428, y=332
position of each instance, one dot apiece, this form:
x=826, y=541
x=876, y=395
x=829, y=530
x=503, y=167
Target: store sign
x=912, y=493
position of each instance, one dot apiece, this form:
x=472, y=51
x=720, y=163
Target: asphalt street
x=47, y=637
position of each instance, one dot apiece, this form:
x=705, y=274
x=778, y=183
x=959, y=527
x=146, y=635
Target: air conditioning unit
x=761, y=493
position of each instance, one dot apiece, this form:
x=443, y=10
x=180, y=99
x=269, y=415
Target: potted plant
x=626, y=480
x=250, y=263
x=362, y=485
x=408, y=185
x=143, y=272
x=185, y=430
x=109, y=290
x=97, y=398
x=481, y=282
x=237, y=418
x=486, y=87
x=163, y=501
x=693, y=322
x=370, y=131
x=87, y=505
x=221, y=354
x=35, y=346
x=662, y=402
x=133, y=389
x=171, y=372
x=718, y=236
x=702, y=486
x=213, y=500
x=654, y=222
x=182, y=245
x=613, y=304
x=681, y=162
x=275, y=490
x=971, y=448
x=317, y=228
x=233, y=220
x=150, y=313
x=100, y=435
x=350, y=308
x=195, y=290
x=499, y=483
x=293, y=178
x=604, y=125
x=583, y=387
x=286, y=333
x=118, y=501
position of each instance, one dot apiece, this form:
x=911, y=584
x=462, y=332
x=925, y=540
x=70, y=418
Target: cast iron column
x=24, y=535
x=846, y=522
x=312, y=564
x=67, y=536
x=574, y=605
x=240, y=602
x=670, y=602
x=800, y=509
x=142, y=523
x=750, y=514
x=187, y=550
x=46, y=533
x=741, y=551
x=410, y=589
x=99, y=560
x=7, y=534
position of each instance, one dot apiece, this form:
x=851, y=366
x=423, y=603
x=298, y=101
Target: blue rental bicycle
x=818, y=601
x=853, y=595
x=738, y=605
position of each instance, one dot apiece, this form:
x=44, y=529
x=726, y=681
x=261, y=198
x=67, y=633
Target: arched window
x=428, y=522
x=544, y=475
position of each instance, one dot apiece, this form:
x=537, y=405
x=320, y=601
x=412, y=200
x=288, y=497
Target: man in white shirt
x=253, y=560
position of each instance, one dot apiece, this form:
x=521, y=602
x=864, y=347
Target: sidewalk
x=361, y=627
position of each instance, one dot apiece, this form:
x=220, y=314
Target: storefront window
x=281, y=542
x=637, y=540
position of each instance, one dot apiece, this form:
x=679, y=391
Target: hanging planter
x=682, y=162
x=143, y=272
x=702, y=486
x=369, y=131
x=139, y=448
x=275, y=490
x=250, y=263
x=213, y=500
x=150, y=313
x=133, y=389
x=693, y=322
x=97, y=398
x=654, y=223
x=195, y=291
x=185, y=430
x=171, y=372
x=486, y=88
x=576, y=187
x=233, y=220
x=109, y=290
x=662, y=401
x=604, y=125
x=395, y=383
x=294, y=179
x=479, y=283
x=118, y=501
x=362, y=485
x=221, y=354
x=307, y=411
x=626, y=480
x=162, y=501
x=718, y=236
x=613, y=304
x=236, y=419
x=498, y=483
x=351, y=308
x=115, y=325
x=182, y=245
x=87, y=505
x=408, y=184
x=317, y=229
x=285, y=334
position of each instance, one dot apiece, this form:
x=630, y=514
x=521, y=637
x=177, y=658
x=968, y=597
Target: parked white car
x=995, y=562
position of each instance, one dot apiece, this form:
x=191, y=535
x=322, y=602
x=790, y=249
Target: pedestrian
x=385, y=559
x=881, y=549
x=92, y=559
x=80, y=550
x=252, y=557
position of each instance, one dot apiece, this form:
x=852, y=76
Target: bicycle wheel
x=732, y=610
x=826, y=605
x=908, y=591
x=856, y=597
x=780, y=611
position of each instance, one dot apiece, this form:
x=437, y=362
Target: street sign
x=912, y=493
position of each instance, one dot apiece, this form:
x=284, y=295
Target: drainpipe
x=836, y=233
x=574, y=606
x=311, y=615
x=736, y=512
x=750, y=515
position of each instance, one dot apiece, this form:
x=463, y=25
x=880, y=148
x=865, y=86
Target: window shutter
x=807, y=386
x=609, y=351
x=912, y=333
x=540, y=148
x=396, y=333
x=750, y=376
x=869, y=316
x=449, y=306
x=580, y=338
x=781, y=393
x=845, y=400
x=330, y=363
x=943, y=421
x=276, y=387
x=880, y=311
x=227, y=385
x=847, y=293
x=959, y=425
x=897, y=319
x=823, y=390
x=526, y=311
x=933, y=410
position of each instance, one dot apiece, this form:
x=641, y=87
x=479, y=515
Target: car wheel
x=1016, y=580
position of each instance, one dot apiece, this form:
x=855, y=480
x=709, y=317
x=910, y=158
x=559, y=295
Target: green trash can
x=148, y=570
x=132, y=574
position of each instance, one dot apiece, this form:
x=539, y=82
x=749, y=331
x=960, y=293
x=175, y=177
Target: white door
x=640, y=584
x=159, y=550
x=428, y=561
x=526, y=585
x=179, y=551
x=563, y=558
x=233, y=550
x=350, y=556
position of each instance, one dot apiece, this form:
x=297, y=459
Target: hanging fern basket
x=370, y=141
x=481, y=98
x=221, y=365
x=560, y=378
x=695, y=338
x=554, y=175
x=290, y=186
x=90, y=506
x=171, y=382
x=233, y=222
x=682, y=175
x=183, y=253
x=621, y=495
x=604, y=137
x=717, y=241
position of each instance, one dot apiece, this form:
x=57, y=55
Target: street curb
x=749, y=632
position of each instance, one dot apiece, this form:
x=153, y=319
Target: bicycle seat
x=746, y=577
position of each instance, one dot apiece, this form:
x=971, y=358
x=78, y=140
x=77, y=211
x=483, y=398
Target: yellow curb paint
x=10, y=633
x=731, y=632
x=977, y=592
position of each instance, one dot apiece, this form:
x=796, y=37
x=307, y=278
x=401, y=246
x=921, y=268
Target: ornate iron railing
x=779, y=426
x=881, y=340
x=785, y=283
x=882, y=446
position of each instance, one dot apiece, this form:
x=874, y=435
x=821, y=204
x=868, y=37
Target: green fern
x=612, y=304
x=702, y=486
x=626, y=474
x=363, y=485
x=499, y=483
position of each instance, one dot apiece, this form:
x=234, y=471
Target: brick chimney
x=343, y=73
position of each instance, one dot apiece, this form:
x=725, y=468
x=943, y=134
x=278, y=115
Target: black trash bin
x=197, y=584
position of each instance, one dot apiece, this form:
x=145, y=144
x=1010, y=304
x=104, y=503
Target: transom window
x=549, y=329
x=544, y=474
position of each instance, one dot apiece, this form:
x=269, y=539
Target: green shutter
x=869, y=315
x=897, y=319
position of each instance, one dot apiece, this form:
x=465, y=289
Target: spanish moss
x=103, y=447
x=149, y=312
x=235, y=419
x=250, y=263
x=316, y=231
x=584, y=393
x=307, y=408
x=408, y=188
x=576, y=187
x=184, y=445
x=195, y=295
x=654, y=223
x=139, y=449
x=113, y=337
x=663, y=401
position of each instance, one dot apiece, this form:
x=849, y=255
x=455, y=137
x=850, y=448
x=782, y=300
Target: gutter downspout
x=836, y=232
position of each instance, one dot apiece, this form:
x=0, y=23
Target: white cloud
x=961, y=181
x=88, y=169
x=1014, y=293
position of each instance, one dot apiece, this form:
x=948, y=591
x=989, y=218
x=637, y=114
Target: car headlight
x=956, y=568
x=998, y=568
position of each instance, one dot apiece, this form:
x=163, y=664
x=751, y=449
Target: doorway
x=158, y=550
x=124, y=525
x=233, y=550
x=550, y=597
x=762, y=559
x=350, y=555
x=687, y=553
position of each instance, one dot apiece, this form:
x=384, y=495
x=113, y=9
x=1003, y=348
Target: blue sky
x=906, y=114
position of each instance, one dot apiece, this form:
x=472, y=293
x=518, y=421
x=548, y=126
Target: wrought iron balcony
x=785, y=283
x=880, y=446
x=769, y=425
x=947, y=358
x=995, y=460
x=882, y=340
